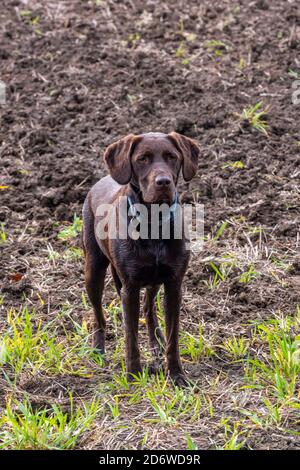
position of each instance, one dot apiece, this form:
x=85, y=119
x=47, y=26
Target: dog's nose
x=162, y=180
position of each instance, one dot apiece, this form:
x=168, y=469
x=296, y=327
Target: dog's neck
x=134, y=196
x=135, y=188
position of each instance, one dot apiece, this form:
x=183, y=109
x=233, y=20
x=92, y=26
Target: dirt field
x=78, y=76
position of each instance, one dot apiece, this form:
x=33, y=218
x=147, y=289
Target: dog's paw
x=179, y=379
x=99, y=342
x=99, y=350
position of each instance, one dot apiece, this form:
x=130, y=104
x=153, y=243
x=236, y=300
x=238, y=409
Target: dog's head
x=152, y=162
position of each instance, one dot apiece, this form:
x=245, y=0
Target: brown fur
x=146, y=168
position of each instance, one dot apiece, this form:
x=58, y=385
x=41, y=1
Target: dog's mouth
x=160, y=199
x=164, y=196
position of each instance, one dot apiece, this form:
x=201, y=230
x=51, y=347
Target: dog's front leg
x=172, y=304
x=131, y=309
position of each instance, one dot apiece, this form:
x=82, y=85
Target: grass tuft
x=72, y=230
x=254, y=115
x=24, y=428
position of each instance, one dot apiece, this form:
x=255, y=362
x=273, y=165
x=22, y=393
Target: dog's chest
x=152, y=263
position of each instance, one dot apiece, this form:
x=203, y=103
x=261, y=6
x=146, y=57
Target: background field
x=79, y=75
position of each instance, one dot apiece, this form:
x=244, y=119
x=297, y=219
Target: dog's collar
x=134, y=187
x=133, y=212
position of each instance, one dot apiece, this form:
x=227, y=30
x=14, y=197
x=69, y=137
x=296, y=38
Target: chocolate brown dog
x=144, y=169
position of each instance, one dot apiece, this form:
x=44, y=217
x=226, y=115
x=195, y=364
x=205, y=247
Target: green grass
x=73, y=254
x=133, y=39
x=279, y=367
x=114, y=407
x=234, y=265
x=194, y=347
x=217, y=47
x=293, y=74
x=186, y=37
x=236, y=348
x=268, y=372
x=3, y=236
x=249, y=275
x=221, y=272
x=28, y=344
x=237, y=165
x=221, y=230
x=52, y=428
x=170, y=406
x=181, y=53
x=72, y=230
x=256, y=117
x=233, y=435
x=190, y=444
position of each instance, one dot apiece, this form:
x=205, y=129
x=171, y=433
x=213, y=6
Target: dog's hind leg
x=156, y=337
x=96, y=265
x=95, y=271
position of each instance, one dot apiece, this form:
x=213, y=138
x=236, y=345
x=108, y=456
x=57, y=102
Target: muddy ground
x=81, y=74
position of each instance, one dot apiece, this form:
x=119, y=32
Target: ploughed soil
x=79, y=75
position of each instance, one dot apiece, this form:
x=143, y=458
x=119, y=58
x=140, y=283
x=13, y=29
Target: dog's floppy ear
x=190, y=151
x=117, y=158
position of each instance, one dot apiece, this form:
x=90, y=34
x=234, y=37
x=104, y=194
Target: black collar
x=134, y=213
x=135, y=188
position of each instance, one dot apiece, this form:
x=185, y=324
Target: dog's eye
x=143, y=158
x=171, y=157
